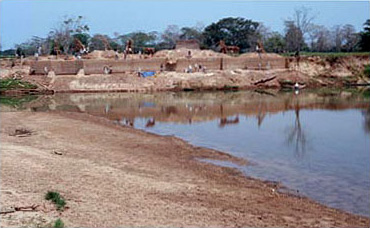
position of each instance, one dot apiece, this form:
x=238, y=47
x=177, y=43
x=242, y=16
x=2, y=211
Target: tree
x=322, y=41
x=65, y=31
x=192, y=33
x=337, y=37
x=100, y=42
x=31, y=46
x=83, y=37
x=170, y=35
x=275, y=43
x=140, y=39
x=350, y=37
x=293, y=37
x=234, y=31
x=297, y=27
x=302, y=19
x=364, y=42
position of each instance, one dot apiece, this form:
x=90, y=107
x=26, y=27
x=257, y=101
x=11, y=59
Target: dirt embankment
x=312, y=72
x=113, y=176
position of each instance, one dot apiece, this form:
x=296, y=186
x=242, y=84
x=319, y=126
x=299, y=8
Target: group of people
x=197, y=68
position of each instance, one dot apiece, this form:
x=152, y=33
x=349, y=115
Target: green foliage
x=16, y=102
x=9, y=83
x=188, y=33
x=367, y=71
x=58, y=223
x=140, y=39
x=234, y=31
x=56, y=198
x=275, y=43
x=364, y=42
x=83, y=37
x=9, y=53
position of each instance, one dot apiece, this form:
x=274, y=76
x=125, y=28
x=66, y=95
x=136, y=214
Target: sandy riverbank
x=115, y=176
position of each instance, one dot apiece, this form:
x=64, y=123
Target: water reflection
x=327, y=136
x=296, y=135
x=367, y=120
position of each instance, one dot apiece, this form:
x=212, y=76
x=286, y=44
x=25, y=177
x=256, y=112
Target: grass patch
x=9, y=84
x=56, y=198
x=16, y=102
x=329, y=54
x=58, y=223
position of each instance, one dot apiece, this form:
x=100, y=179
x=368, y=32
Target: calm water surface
x=314, y=145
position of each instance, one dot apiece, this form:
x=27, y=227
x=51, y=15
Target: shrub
x=9, y=83
x=56, y=198
x=367, y=71
x=58, y=223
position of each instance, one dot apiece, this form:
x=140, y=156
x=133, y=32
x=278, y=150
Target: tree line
x=300, y=34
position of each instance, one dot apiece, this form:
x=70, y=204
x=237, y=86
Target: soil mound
x=183, y=53
x=100, y=55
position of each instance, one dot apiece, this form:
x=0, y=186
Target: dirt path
x=113, y=176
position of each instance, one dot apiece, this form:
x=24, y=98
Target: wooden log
x=263, y=80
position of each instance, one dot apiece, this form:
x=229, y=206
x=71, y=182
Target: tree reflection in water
x=225, y=120
x=296, y=135
x=366, y=114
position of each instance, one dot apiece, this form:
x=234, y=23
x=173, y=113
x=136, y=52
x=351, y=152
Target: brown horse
x=228, y=49
x=148, y=51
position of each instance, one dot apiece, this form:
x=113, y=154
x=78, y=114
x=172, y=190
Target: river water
x=317, y=144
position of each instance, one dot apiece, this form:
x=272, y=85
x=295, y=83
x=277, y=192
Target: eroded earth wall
x=72, y=67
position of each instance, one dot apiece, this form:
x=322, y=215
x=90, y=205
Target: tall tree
x=234, y=31
x=64, y=32
x=103, y=42
x=298, y=27
x=275, y=43
x=140, y=39
x=191, y=33
x=364, y=43
x=170, y=35
x=322, y=39
x=302, y=19
x=350, y=37
x=337, y=37
x=293, y=37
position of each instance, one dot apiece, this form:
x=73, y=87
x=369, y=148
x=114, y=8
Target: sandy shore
x=115, y=176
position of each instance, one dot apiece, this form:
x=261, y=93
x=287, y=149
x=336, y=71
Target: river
x=315, y=143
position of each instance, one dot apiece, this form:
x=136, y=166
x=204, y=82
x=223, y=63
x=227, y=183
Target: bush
x=56, y=198
x=9, y=83
x=58, y=223
x=367, y=71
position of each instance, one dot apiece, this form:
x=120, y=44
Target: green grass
x=9, y=84
x=56, y=198
x=58, y=223
x=7, y=57
x=16, y=102
x=329, y=54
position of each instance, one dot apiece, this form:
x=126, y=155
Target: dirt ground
x=116, y=176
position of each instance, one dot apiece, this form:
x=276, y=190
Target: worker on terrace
x=297, y=57
x=258, y=50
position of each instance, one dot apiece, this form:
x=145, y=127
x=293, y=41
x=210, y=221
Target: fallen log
x=15, y=209
x=263, y=80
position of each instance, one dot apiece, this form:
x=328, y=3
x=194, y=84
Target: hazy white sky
x=22, y=19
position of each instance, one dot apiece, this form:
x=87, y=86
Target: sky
x=22, y=19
